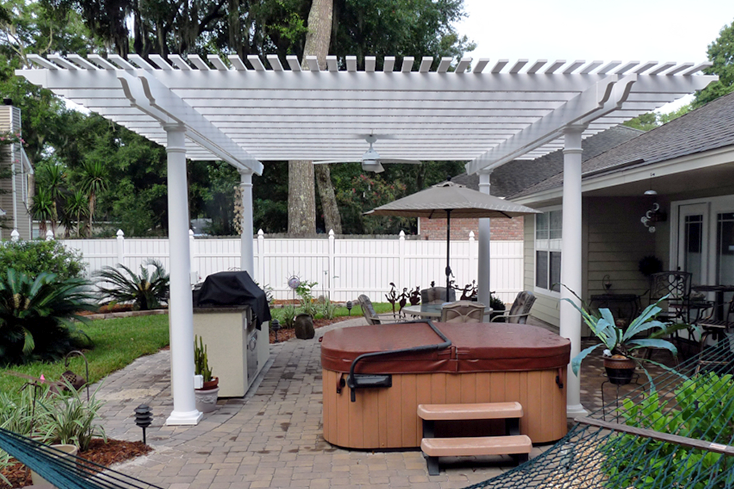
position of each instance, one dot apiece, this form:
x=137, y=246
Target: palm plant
x=145, y=291
x=37, y=316
x=77, y=206
x=94, y=181
x=42, y=208
x=52, y=179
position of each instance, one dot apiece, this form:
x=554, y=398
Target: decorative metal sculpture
x=469, y=291
x=392, y=297
x=403, y=300
x=415, y=296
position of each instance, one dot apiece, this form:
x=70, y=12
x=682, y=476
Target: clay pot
x=304, y=327
x=619, y=369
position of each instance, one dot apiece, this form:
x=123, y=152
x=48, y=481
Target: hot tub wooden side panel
x=387, y=417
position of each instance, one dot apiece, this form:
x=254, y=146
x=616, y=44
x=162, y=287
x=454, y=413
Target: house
x=514, y=177
x=679, y=175
x=15, y=200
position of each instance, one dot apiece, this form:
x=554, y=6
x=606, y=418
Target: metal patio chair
x=520, y=309
x=368, y=310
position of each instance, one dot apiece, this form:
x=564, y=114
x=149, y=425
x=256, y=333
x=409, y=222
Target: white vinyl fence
x=342, y=267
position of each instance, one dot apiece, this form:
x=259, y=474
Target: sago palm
x=37, y=316
x=144, y=291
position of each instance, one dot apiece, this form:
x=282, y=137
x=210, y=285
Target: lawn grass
x=380, y=308
x=117, y=342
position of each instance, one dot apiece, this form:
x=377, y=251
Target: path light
x=349, y=305
x=143, y=418
x=275, y=326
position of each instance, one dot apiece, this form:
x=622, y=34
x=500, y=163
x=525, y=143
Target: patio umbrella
x=446, y=200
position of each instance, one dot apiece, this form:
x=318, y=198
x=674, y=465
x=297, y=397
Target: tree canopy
x=721, y=54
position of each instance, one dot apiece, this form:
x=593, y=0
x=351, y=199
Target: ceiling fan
x=371, y=160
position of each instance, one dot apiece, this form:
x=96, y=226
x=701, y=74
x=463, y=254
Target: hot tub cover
x=233, y=289
x=476, y=347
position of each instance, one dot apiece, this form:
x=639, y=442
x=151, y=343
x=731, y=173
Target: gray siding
x=10, y=121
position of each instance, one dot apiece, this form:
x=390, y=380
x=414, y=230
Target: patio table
x=431, y=310
x=720, y=290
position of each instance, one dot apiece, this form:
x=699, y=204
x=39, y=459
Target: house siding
x=616, y=241
x=10, y=118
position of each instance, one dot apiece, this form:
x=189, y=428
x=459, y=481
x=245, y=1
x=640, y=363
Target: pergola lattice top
x=245, y=113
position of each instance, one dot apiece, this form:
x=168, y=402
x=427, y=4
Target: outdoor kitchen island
x=449, y=363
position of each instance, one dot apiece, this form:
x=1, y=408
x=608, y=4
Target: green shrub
x=145, y=291
x=36, y=316
x=35, y=257
x=327, y=309
x=703, y=410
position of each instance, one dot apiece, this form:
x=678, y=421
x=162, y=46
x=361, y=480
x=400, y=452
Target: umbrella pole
x=448, y=252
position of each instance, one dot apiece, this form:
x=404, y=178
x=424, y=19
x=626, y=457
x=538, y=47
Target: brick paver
x=271, y=438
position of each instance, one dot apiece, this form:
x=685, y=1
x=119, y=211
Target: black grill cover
x=233, y=289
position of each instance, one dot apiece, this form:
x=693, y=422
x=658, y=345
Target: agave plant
x=144, y=291
x=37, y=316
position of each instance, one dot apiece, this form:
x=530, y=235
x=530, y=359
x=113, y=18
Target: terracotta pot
x=620, y=370
x=69, y=451
x=211, y=384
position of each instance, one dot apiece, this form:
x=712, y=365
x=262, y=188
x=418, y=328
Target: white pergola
x=247, y=111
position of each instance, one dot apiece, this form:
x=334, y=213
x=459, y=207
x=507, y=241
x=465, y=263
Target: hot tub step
x=484, y=410
x=518, y=445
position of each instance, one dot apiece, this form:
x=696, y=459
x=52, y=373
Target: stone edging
x=126, y=314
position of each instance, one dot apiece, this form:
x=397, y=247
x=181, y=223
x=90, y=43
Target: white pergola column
x=180, y=310
x=570, y=320
x=483, y=285
x=247, y=260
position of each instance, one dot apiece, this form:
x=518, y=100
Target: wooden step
x=483, y=445
x=485, y=410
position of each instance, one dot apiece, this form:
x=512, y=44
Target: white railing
x=342, y=267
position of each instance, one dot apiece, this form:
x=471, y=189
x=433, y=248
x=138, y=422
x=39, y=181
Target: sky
x=624, y=30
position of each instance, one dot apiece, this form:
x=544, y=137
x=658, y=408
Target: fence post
x=472, y=255
x=403, y=279
x=120, y=247
x=332, y=245
x=49, y=235
x=261, y=258
x=194, y=270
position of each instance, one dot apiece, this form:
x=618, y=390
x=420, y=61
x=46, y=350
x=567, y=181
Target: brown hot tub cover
x=476, y=347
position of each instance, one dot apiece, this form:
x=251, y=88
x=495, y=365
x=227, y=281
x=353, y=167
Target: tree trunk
x=332, y=219
x=301, y=199
x=301, y=196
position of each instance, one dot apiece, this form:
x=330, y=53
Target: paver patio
x=272, y=437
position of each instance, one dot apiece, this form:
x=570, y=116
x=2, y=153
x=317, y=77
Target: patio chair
x=520, y=309
x=368, y=310
x=677, y=286
x=717, y=328
x=437, y=295
x=463, y=312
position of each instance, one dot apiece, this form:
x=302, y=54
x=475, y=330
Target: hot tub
x=480, y=362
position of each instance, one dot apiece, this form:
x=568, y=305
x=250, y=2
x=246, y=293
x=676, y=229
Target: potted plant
x=206, y=397
x=621, y=342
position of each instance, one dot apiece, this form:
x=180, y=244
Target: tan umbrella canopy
x=447, y=199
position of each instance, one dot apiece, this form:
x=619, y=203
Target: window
x=548, y=250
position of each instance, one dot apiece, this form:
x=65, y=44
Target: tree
x=721, y=54
x=301, y=198
x=77, y=206
x=94, y=181
x=42, y=208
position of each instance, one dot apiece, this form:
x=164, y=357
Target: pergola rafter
x=242, y=111
x=253, y=110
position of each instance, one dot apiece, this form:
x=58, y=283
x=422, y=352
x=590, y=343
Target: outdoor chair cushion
x=437, y=295
x=463, y=312
x=368, y=310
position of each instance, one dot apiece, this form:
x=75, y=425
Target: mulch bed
x=99, y=452
x=287, y=334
